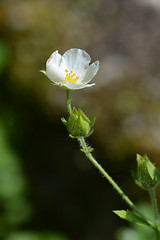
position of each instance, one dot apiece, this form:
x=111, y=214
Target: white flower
x=72, y=70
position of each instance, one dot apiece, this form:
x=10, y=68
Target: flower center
x=70, y=77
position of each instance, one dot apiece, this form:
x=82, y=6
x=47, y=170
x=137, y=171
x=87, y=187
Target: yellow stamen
x=70, y=77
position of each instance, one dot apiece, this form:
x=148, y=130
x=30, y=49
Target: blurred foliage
x=35, y=236
x=136, y=232
x=3, y=56
x=15, y=208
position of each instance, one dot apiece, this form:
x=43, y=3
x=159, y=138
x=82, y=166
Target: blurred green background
x=48, y=189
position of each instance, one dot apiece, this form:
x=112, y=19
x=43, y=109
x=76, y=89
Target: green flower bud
x=147, y=175
x=78, y=124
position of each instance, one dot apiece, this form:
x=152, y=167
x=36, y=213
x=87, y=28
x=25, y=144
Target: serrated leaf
x=132, y=217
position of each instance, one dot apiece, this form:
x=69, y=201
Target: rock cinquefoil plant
x=73, y=71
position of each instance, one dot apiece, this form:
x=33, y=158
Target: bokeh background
x=48, y=189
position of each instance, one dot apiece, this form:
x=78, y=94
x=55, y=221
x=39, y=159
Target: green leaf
x=90, y=149
x=132, y=217
x=81, y=149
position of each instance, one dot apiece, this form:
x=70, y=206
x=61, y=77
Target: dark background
x=48, y=189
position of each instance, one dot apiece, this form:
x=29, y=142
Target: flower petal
x=53, y=70
x=54, y=58
x=76, y=60
x=55, y=73
x=91, y=72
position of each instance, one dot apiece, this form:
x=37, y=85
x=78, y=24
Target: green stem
x=155, y=209
x=112, y=182
x=104, y=173
x=68, y=102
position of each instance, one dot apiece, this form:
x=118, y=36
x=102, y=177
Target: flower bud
x=78, y=124
x=147, y=175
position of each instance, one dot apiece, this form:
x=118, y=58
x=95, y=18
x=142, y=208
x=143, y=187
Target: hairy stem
x=68, y=102
x=104, y=173
x=155, y=209
x=111, y=181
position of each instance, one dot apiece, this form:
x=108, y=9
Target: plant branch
x=87, y=151
x=111, y=181
x=155, y=209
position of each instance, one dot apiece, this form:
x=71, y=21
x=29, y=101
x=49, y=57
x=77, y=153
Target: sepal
x=43, y=71
x=64, y=121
